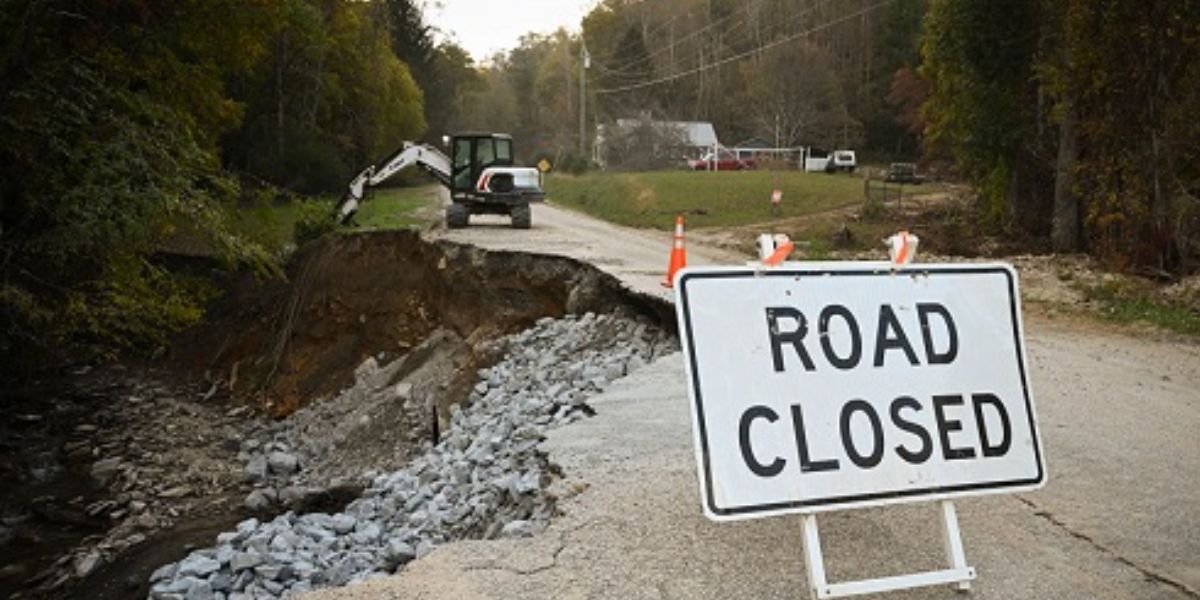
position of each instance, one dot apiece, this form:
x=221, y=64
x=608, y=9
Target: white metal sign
x=821, y=386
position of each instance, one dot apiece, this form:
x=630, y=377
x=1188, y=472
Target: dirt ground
x=279, y=344
x=138, y=470
x=1117, y=520
x=117, y=470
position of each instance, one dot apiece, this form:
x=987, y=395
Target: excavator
x=481, y=179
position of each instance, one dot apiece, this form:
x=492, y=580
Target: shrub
x=316, y=221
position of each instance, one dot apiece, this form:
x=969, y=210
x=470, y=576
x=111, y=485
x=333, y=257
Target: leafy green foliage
x=95, y=171
x=328, y=98
x=314, y=221
x=121, y=125
x=1134, y=74
x=1100, y=96
x=978, y=57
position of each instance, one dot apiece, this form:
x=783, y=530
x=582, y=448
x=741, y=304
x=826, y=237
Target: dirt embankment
x=165, y=460
x=281, y=344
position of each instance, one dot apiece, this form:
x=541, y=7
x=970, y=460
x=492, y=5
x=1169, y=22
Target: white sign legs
x=954, y=547
x=958, y=573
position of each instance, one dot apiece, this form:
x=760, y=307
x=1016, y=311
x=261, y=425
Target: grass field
x=397, y=208
x=708, y=199
x=273, y=224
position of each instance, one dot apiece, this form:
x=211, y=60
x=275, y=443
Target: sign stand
x=811, y=337
x=958, y=573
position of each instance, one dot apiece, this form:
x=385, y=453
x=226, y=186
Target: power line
x=745, y=22
x=623, y=69
x=704, y=67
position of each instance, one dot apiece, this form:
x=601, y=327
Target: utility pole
x=585, y=63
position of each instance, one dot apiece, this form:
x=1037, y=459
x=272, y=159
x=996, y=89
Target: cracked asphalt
x=1119, y=518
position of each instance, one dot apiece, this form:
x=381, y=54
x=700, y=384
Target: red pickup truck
x=723, y=161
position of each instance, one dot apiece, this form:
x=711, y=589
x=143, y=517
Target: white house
x=694, y=138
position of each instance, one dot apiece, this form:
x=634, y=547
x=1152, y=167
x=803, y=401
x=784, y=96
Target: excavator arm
x=428, y=158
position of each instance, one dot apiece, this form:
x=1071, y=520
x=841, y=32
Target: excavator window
x=487, y=152
x=473, y=154
x=462, y=164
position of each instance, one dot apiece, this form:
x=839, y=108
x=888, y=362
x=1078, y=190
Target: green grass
x=397, y=208
x=1127, y=302
x=273, y=224
x=708, y=199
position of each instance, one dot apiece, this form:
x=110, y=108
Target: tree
x=794, y=98
x=125, y=125
x=1089, y=103
x=909, y=91
x=439, y=69
x=329, y=97
x=1134, y=68
x=109, y=117
x=894, y=91
x=979, y=59
x=643, y=144
x=457, y=72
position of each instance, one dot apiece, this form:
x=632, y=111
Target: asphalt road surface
x=638, y=257
x=1119, y=518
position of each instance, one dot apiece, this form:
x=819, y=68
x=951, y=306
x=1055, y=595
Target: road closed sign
x=834, y=385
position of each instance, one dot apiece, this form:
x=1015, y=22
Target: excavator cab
x=483, y=180
x=474, y=152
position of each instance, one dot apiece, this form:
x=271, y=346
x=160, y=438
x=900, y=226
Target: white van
x=843, y=160
x=820, y=161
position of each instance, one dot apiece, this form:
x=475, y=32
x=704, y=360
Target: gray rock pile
x=379, y=422
x=484, y=479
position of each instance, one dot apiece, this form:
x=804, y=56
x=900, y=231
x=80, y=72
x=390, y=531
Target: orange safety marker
x=781, y=253
x=678, y=254
x=902, y=247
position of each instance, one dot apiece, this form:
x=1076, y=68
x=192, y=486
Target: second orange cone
x=678, y=254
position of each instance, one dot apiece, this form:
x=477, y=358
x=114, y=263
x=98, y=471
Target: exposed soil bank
x=280, y=345
x=110, y=480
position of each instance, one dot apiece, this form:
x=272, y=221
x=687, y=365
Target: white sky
x=484, y=27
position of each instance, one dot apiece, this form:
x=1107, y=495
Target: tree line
x=127, y=126
x=786, y=72
x=1075, y=120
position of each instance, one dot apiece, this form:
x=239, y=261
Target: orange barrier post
x=902, y=247
x=781, y=253
x=678, y=254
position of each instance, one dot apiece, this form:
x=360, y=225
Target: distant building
x=662, y=141
x=754, y=144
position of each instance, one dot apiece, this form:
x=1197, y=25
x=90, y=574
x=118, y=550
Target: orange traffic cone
x=678, y=254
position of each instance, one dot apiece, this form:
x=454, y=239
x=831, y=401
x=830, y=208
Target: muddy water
x=45, y=491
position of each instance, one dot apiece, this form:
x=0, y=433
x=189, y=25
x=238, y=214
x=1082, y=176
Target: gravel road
x=1119, y=517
